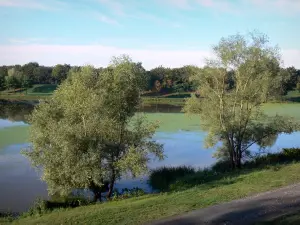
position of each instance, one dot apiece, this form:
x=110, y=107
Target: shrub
x=41, y=206
x=181, y=178
x=285, y=156
x=127, y=193
x=161, y=178
x=221, y=166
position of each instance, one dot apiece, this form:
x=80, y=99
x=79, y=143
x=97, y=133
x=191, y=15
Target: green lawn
x=42, y=89
x=156, y=206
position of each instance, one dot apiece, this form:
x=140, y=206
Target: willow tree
x=243, y=74
x=87, y=135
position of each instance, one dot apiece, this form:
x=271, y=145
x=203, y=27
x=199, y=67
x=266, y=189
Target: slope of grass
x=42, y=89
x=151, y=207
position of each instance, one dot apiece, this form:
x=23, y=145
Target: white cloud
x=22, y=3
x=26, y=40
x=105, y=19
x=116, y=6
x=184, y=4
x=100, y=55
x=97, y=55
x=291, y=57
x=240, y=6
x=283, y=6
x=33, y=4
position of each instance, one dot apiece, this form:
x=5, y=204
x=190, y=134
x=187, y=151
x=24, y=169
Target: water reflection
x=20, y=184
x=14, y=112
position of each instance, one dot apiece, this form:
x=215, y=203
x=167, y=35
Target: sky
x=170, y=33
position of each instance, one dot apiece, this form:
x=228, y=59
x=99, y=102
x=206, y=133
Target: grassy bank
x=147, y=208
x=146, y=100
x=44, y=91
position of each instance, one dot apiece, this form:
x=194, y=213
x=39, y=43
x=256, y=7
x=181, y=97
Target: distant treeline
x=161, y=80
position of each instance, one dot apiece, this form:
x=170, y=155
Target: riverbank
x=233, y=185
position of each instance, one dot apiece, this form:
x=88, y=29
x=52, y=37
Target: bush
x=191, y=180
x=6, y=217
x=127, y=193
x=181, y=178
x=42, y=206
x=287, y=155
x=221, y=166
x=161, y=178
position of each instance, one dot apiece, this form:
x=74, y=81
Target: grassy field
x=155, y=206
x=43, y=91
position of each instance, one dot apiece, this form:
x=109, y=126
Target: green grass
x=42, y=89
x=39, y=91
x=156, y=206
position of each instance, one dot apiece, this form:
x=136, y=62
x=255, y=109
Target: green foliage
x=177, y=179
x=161, y=178
x=41, y=206
x=127, y=193
x=60, y=72
x=298, y=86
x=87, y=140
x=244, y=74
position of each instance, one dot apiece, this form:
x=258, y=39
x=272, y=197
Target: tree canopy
x=243, y=74
x=92, y=135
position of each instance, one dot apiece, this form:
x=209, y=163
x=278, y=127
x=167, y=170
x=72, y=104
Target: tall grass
x=182, y=178
x=161, y=178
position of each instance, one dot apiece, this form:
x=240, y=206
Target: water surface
x=181, y=135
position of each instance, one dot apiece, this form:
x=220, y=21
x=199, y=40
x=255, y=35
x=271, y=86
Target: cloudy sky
x=157, y=32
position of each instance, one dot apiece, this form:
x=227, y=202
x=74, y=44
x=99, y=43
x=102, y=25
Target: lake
x=182, y=138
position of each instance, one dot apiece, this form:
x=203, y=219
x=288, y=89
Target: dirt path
x=246, y=211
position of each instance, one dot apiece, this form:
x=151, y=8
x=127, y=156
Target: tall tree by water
x=233, y=114
x=88, y=134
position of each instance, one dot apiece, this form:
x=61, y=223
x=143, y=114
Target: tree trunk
x=111, y=185
x=110, y=190
x=231, y=159
x=97, y=195
x=239, y=156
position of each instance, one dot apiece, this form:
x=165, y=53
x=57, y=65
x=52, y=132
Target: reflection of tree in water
x=160, y=108
x=15, y=111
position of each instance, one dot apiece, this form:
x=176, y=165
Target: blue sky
x=157, y=32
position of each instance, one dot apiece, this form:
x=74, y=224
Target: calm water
x=182, y=139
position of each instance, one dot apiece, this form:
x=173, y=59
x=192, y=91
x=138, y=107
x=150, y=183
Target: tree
x=233, y=115
x=3, y=74
x=293, y=76
x=60, y=72
x=160, y=78
x=28, y=70
x=88, y=135
x=298, y=86
x=13, y=80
